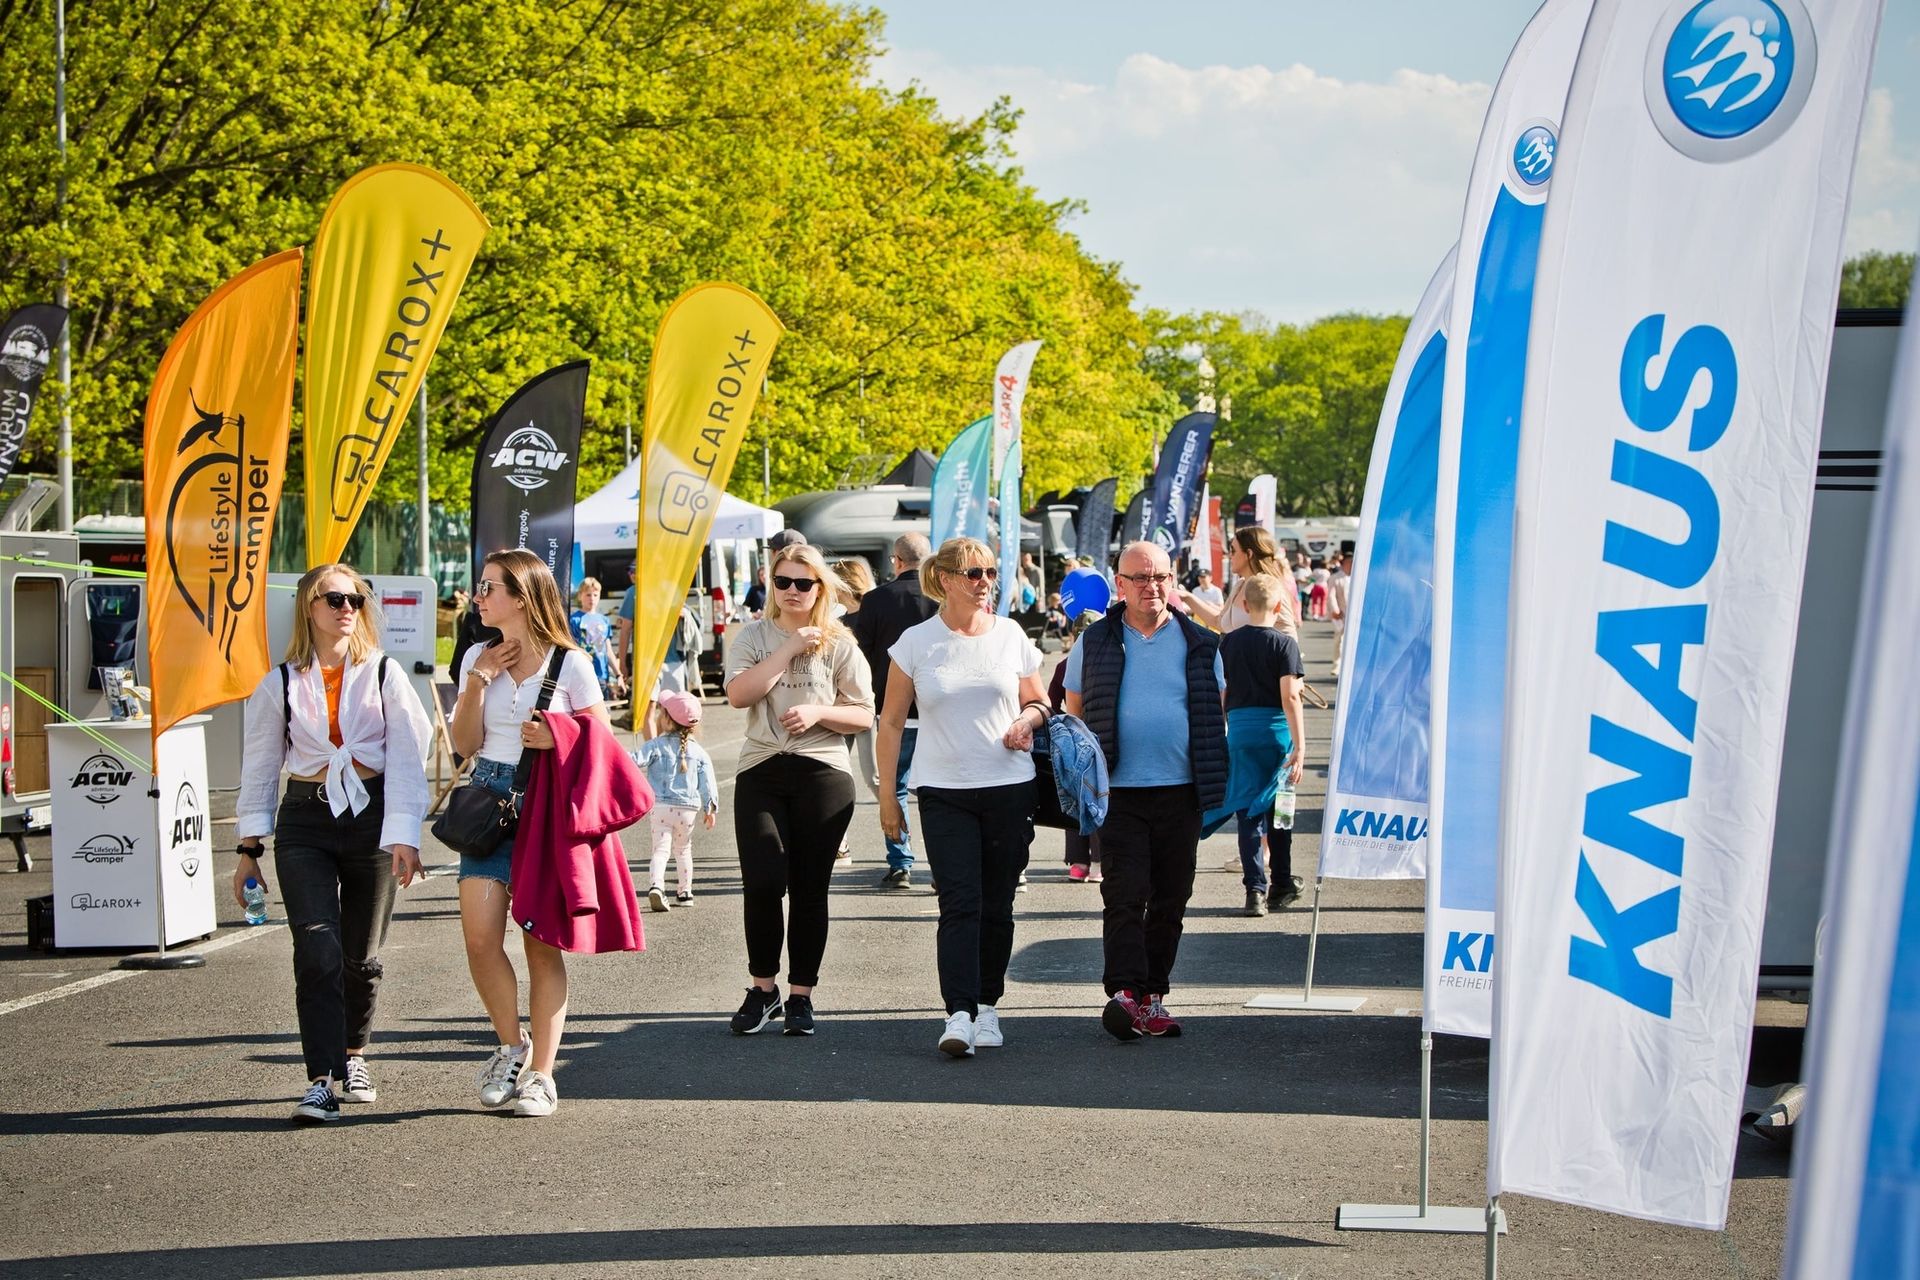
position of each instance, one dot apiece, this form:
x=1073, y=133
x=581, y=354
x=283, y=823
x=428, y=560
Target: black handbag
x=476, y=821
x=1046, y=793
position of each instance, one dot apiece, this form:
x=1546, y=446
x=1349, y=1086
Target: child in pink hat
x=681, y=775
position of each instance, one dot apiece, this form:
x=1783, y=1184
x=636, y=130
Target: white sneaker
x=957, y=1039
x=537, y=1097
x=500, y=1077
x=359, y=1082
x=657, y=899
x=986, y=1028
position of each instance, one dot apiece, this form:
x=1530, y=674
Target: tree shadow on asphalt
x=185, y=1117
x=520, y=1249
x=1257, y=957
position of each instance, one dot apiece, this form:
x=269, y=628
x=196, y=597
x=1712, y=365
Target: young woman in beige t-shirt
x=804, y=685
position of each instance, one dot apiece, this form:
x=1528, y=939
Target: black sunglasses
x=335, y=599
x=784, y=583
x=978, y=572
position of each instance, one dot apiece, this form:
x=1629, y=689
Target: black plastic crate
x=40, y=923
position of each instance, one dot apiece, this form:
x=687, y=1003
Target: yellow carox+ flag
x=709, y=359
x=392, y=251
x=216, y=452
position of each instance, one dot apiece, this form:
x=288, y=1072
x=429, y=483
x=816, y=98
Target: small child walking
x=681, y=775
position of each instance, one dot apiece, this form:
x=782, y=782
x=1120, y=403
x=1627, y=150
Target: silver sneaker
x=986, y=1028
x=500, y=1078
x=359, y=1083
x=537, y=1097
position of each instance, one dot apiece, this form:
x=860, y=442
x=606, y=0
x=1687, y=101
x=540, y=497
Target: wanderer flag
x=216, y=452
x=393, y=249
x=712, y=353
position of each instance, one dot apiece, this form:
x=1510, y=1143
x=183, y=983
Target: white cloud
x=1886, y=184
x=1283, y=191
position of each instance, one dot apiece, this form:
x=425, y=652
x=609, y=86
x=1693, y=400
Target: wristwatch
x=250, y=850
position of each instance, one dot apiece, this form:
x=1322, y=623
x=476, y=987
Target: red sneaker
x=1076, y=871
x=1155, y=1020
x=1122, y=1016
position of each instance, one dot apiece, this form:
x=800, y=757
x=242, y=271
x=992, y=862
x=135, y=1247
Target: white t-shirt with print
x=505, y=707
x=967, y=689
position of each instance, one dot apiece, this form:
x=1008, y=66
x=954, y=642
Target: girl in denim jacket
x=681, y=775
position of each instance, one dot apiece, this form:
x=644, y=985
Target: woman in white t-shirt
x=493, y=721
x=804, y=685
x=975, y=680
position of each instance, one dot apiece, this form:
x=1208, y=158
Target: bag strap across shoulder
x=524, y=770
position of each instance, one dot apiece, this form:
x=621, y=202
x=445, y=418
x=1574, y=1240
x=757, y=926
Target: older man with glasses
x=1148, y=682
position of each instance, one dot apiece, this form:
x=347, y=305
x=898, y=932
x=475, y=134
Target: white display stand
x=108, y=830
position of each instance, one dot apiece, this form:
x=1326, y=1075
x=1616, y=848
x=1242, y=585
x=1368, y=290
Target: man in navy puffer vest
x=1148, y=682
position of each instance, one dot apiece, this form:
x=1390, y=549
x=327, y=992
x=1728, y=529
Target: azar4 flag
x=1009, y=393
x=1009, y=529
x=960, y=485
x=26, y=348
x=526, y=472
x=1473, y=527
x=216, y=453
x=1175, y=493
x=1377, y=774
x=1682, y=317
x=393, y=249
x=709, y=360
x=1856, y=1158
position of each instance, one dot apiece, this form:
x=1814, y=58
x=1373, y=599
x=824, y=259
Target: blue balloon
x=1084, y=591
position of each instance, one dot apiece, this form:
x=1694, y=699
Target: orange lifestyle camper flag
x=392, y=251
x=216, y=446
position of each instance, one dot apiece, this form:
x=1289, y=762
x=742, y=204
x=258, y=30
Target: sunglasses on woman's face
x=340, y=599
x=978, y=572
x=784, y=583
x=485, y=587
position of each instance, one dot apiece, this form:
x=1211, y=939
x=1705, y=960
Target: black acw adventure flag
x=26, y=348
x=525, y=473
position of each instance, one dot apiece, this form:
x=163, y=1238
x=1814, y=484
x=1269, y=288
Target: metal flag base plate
x=164, y=960
x=1323, y=1004
x=1454, y=1220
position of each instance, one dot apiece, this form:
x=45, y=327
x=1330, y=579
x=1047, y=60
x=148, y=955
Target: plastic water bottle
x=1283, y=804
x=255, y=894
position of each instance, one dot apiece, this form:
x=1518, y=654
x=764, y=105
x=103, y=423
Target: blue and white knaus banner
x=1009, y=529
x=1683, y=310
x=1473, y=529
x=1377, y=780
x=1856, y=1161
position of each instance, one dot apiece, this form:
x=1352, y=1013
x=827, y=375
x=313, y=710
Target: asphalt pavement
x=144, y=1130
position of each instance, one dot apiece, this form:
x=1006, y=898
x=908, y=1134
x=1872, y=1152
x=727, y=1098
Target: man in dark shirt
x=1265, y=738
x=886, y=612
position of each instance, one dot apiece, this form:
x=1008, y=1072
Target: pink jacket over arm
x=571, y=886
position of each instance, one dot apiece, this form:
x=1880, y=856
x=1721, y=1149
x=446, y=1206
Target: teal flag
x=961, y=485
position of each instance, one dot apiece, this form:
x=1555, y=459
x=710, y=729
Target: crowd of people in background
x=1192, y=693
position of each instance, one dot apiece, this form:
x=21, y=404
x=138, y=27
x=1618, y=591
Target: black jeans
x=338, y=888
x=789, y=813
x=1148, y=846
x=977, y=839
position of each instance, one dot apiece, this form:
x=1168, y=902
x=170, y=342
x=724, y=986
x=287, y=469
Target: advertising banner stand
x=132, y=855
x=1306, y=999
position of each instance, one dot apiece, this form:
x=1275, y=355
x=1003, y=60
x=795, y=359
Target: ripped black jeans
x=338, y=888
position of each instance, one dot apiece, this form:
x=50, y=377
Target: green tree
x=1876, y=279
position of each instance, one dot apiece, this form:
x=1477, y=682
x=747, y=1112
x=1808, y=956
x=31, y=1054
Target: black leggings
x=789, y=813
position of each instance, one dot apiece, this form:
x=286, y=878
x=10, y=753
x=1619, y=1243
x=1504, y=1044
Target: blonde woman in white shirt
x=493, y=722
x=343, y=722
x=975, y=681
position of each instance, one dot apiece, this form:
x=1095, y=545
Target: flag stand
x=1452, y=1220
x=1306, y=999
x=1494, y=1216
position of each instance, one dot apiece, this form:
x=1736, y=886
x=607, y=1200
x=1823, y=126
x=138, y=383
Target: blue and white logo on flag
x=1533, y=154
x=1726, y=77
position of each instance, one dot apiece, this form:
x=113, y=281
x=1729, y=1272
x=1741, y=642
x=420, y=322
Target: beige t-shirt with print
x=837, y=675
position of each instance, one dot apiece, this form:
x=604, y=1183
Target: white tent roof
x=608, y=518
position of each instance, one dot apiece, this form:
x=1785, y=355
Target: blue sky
x=1291, y=157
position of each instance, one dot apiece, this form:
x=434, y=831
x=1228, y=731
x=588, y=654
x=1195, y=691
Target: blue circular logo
x=1533, y=155
x=1728, y=66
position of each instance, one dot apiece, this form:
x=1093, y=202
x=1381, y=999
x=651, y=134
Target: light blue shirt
x=1154, y=722
x=692, y=789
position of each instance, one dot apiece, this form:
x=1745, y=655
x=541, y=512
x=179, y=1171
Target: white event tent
x=610, y=517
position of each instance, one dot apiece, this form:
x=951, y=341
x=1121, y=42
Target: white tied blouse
x=383, y=727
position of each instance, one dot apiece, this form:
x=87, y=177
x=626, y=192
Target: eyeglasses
x=1147, y=579
x=784, y=583
x=339, y=599
x=484, y=588
x=977, y=572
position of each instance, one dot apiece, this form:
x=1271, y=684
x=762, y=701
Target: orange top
x=332, y=676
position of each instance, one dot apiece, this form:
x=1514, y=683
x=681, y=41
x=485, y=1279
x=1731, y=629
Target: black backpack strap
x=286, y=703
x=524, y=769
